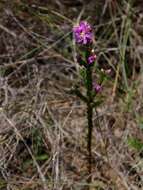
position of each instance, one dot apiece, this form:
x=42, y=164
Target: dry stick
x=8, y=31
x=115, y=83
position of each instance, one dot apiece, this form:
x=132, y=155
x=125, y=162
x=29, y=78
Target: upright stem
x=89, y=117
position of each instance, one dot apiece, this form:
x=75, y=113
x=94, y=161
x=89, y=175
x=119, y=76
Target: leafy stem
x=89, y=118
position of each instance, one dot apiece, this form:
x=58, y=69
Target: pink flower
x=97, y=87
x=91, y=59
x=83, y=33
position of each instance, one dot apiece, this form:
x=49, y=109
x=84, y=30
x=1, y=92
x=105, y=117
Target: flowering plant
x=83, y=35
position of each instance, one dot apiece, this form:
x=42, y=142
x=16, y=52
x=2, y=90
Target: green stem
x=89, y=118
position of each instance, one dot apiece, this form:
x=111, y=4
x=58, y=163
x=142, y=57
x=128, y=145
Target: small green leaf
x=27, y=163
x=140, y=121
x=141, y=125
x=83, y=73
x=80, y=95
x=135, y=143
x=2, y=72
x=42, y=157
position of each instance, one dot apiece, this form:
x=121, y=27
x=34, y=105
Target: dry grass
x=42, y=125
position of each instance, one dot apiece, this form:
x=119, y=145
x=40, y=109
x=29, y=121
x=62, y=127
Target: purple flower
x=83, y=33
x=97, y=87
x=91, y=59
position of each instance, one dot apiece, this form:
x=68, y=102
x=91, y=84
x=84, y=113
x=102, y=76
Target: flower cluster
x=83, y=33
